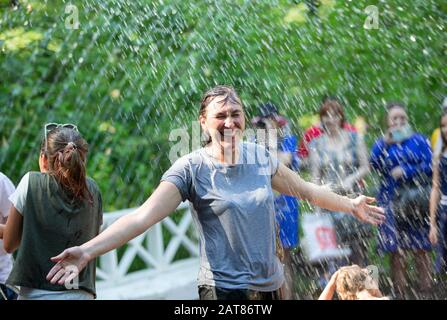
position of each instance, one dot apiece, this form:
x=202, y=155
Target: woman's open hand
x=365, y=212
x=69, y=264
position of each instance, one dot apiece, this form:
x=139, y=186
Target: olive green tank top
x=53, y=222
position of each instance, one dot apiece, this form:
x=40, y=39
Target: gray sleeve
x=180, y=175
x=18, y=198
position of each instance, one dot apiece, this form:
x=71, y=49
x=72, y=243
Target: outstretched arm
x=160, y=204
x=288, y=182
x=329, y=290
x=434, y=201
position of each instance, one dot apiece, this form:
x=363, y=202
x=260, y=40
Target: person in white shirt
x=6, y=189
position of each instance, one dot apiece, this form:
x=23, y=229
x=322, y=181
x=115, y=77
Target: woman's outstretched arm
x=435, y=196
x=163, y=201
x=288, y=182
x=329, y=290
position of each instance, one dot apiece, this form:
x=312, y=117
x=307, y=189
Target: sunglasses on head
x=52, y=126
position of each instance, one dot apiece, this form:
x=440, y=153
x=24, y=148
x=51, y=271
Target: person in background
x=316, y=131
x=436, y=139
x=6, y=189
x=402, y=158
x=352, y=283
x=286, y=207
x=438, y=206
x=338, y=159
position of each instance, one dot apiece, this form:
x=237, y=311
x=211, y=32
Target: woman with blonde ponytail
x=52, y=210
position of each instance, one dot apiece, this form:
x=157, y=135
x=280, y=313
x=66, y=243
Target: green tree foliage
x=134, y=70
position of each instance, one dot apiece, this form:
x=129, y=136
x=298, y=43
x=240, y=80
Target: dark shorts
x=216, y=293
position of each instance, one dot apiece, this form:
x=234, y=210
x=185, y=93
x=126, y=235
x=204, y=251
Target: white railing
x=162, y=277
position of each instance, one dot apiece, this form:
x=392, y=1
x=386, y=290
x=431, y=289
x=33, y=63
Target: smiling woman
x=222, y=120
x=232, y=205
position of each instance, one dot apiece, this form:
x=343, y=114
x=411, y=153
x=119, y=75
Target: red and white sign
x=319, y=241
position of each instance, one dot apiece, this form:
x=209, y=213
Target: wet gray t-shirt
x=233, y=209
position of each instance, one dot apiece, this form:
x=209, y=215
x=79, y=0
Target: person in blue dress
x=286, y=207
x=438, y=205
x=401, y=157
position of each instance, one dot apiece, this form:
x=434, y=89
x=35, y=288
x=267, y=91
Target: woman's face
x=444, y=126
x=225, y=123
x=331, y=122
x=397, y=118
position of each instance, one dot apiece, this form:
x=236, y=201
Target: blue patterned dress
x=414, y=156
x=287, y=207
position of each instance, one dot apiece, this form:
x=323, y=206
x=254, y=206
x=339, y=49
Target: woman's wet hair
x=332, y=106
x=350, y=281
x=395, y=104
x=226, y=94
x=66, y=152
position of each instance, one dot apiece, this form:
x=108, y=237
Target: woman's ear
x=202, y=120
x=43, y=162
x=205, y=135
